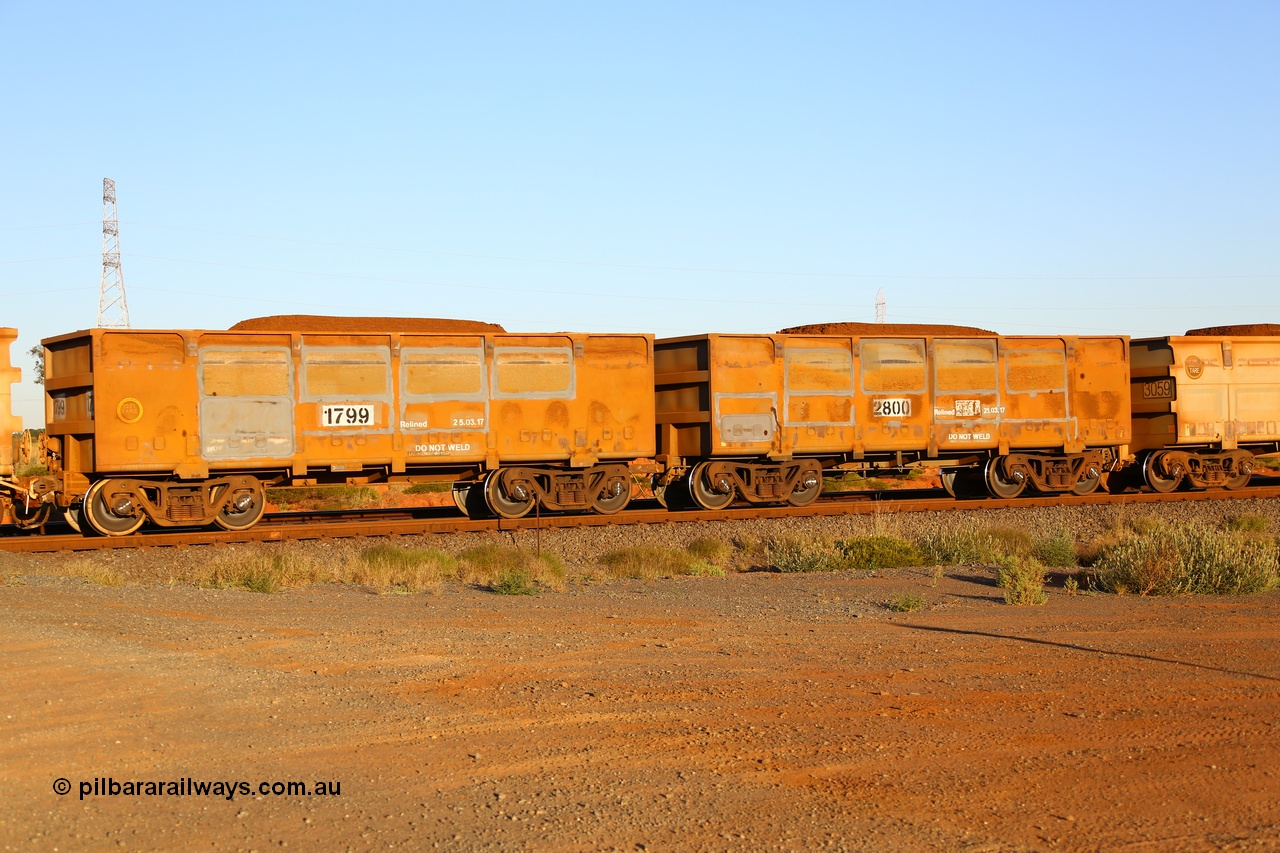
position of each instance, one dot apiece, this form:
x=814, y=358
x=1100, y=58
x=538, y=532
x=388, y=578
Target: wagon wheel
x=239, y=513
x=498, y=501
x=71, y=515
x=997, y=483
x=1088, y=482
x=948, y=476
x=25, y=517
x=468, y=497
x=808, y=489
x=461, y=492
x=706, y=494
x=613, y=497
x=100, y=515
x=1237, y=482
x=1151, y=475
x=1243, y=463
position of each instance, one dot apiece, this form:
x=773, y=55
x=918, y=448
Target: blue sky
x=1028, y=167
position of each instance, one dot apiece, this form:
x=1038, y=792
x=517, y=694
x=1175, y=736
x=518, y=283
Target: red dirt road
x=753, y=712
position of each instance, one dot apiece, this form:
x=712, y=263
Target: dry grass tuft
x=961, y=548
x=402, y=570
x=714, y=551
x=878, y=552
x=650, y=563
x=804, y=554
x=511, y=571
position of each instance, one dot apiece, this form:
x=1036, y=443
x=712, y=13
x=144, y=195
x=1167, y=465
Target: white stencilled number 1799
x=346, y=416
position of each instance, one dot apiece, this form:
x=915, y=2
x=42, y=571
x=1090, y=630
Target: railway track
x=297, y=526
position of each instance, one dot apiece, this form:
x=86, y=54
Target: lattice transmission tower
x=882, y=309
x=113, y=310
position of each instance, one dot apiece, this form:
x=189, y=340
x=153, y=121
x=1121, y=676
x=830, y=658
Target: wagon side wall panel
x=818, y=394
x=746, y=395
x=1228, y=390
x=1100, y=391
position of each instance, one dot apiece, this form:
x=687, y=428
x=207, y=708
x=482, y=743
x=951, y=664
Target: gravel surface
x=756, y=711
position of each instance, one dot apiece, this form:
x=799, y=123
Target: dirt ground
x=751, y=712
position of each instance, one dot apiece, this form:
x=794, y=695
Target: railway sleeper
x=714, y=484
x=513, y=492
x=116, y=507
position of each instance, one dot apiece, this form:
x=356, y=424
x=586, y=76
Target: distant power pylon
x=882, y=310
x=113, y=310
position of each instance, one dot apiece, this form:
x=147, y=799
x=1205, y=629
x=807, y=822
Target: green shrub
x=1188, y=560
x=879, y=552
x=1057, y=549
x=517, y=580
x=1246, y=523
x=988, y=546
x=906, y=602
x=1022, y=581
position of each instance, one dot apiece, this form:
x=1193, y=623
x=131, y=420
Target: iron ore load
x=183, y=428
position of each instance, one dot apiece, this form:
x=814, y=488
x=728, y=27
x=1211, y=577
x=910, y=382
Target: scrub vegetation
x=1136, y=554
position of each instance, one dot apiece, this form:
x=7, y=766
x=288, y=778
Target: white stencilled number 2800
x=891, y=407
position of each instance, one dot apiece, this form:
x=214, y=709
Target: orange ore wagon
x=1203, y=407
x=183, y=427
x=762, y=416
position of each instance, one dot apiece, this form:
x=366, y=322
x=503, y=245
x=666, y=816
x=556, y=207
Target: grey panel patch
x=746, y=428
x=246, y=428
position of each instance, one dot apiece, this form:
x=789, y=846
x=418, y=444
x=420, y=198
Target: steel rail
x=298, y=526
